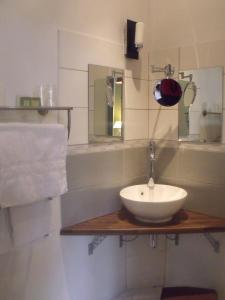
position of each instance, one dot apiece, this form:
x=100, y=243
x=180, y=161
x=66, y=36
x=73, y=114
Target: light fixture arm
x=168, y=70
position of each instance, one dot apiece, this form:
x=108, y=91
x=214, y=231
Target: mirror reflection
x=201, y=106
x=105, y=104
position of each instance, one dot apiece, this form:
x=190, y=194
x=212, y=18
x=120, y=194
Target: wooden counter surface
x=123, y=223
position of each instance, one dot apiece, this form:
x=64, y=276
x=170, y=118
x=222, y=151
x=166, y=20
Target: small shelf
x=43, y=110
x=123, y=223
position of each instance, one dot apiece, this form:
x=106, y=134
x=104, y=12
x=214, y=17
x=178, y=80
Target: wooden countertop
x=123, y=223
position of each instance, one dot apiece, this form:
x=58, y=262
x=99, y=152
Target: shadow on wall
x=134, y=66
x=164, y=155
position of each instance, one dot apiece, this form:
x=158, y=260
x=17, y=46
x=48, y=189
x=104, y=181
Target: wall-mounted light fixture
x=134, y=39
x=168, y=70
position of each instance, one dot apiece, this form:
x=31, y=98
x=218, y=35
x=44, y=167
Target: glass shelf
x=43, y=110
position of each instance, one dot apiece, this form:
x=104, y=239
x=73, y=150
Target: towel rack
x=43, y=110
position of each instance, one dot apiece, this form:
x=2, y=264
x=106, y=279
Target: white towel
x=32, y=162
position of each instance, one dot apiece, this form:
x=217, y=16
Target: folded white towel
x=32, y=162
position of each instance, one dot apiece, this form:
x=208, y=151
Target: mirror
x=105, y=92
x=200, y=110
x=167, y=92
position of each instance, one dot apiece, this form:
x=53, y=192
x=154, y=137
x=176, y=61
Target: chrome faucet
x=152, y=160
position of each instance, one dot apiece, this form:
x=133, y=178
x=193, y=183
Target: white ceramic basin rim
x=158, y=204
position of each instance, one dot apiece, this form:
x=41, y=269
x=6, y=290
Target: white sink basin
x=153, y=205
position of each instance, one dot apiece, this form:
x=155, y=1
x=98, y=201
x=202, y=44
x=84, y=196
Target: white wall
x=94, y=33
x=188, y=34
x=31, y=262
x=44, y=43
x=28, y=54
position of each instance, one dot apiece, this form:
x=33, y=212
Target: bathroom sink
x=157, y=204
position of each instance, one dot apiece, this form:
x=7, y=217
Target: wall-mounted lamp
x=168, y=70
x=135, y=38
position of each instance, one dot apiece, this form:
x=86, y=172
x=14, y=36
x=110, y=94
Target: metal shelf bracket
x=97, y=240
x=214, y=243
x=174, y=237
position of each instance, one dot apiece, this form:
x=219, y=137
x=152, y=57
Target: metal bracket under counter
x=43, y=110
x=98, y=239
x=121, y=223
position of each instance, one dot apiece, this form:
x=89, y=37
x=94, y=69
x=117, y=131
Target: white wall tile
x=5, y=239
x=73, y=88
x=79, y=130
x=30, y=222
x=45, y=278
x=136, y=124
x=89, y=164
x=145, y=265
x=189, y=58
x=223, y=129
x=29, y=57
x=136, y=93
x=163, y=32
x=83, y=204
x=211, y=54
x=14, y=271
x=79, y=125
x=202, y=55
x=137, y=68
x=99, y=18
x=100, y=276
x=163, y=124
x=194, y=263
x=77, y=51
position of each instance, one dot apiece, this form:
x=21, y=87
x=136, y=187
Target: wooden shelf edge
x=123, y=223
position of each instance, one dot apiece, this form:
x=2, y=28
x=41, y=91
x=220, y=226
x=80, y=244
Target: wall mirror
x=105, y=92
x=200, y=110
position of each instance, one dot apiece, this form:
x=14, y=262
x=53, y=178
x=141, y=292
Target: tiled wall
x=76, y=51
x=193, y=39
x=194, y=263
x=199, y=169
x=144, y=118
x=163, y=122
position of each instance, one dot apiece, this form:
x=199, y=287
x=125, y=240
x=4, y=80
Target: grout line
x=165, y=269
x=72, y=69
x=142, y=109
x=75, y=107
x=166, y=109
x=148, y=58
x=179, y=60
x=88, y=35
x=136, y=78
